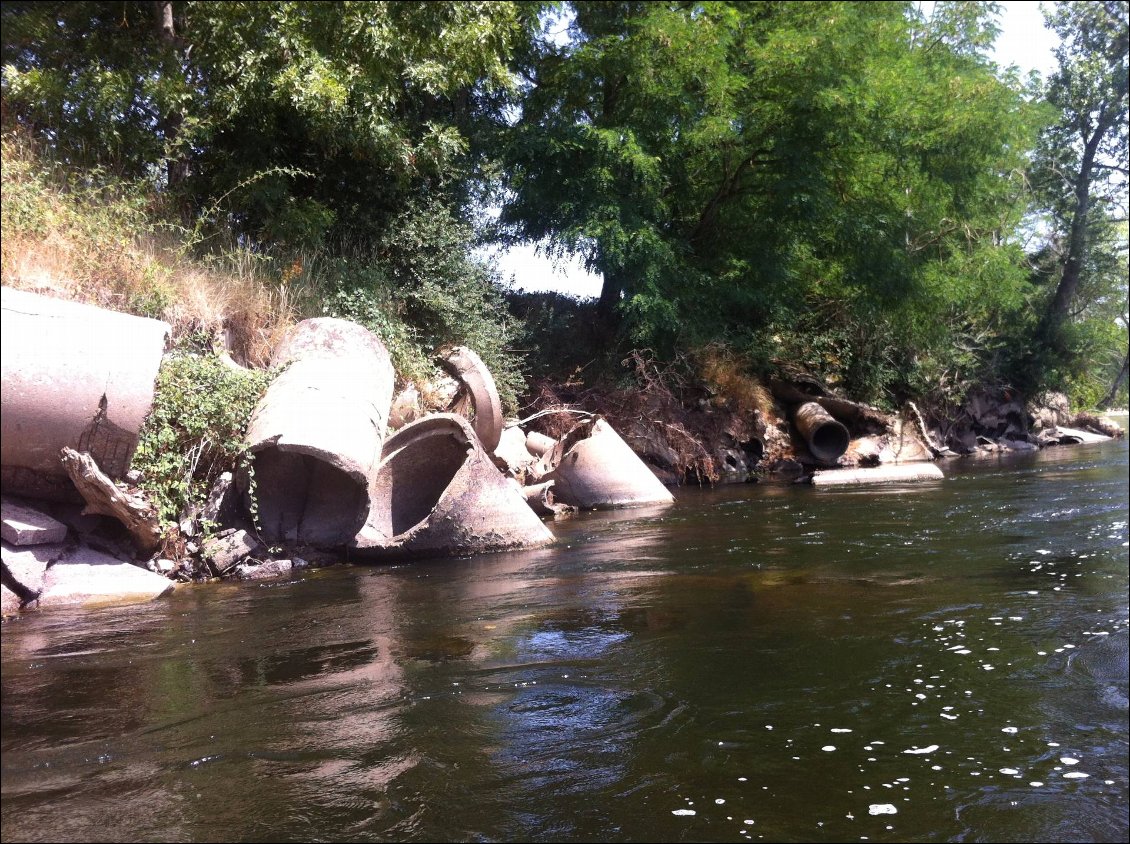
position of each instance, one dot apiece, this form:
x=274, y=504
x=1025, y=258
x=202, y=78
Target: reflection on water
x=936, y=662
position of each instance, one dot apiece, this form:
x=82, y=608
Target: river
x=939, y=662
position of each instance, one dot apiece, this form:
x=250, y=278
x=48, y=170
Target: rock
x=24, y=525
x=222, y=506
x=1096, y=424
x=406, y=407
x=24, y=568
x=228, y=548
x=164, y=566
x=511, y=455
x=264, y=571
x=786, y=467
x=10, y=602
x=1049, y=410
x=85, y=577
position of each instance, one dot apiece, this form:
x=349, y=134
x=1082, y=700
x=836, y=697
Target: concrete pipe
x=316, y=434
x=881, y=474
x=438, y=493
x=594, y=467
x=73, y=375
x=827, y=439
x=539, y=444
x=468, y=369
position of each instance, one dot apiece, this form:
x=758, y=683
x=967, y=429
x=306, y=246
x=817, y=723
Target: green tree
x=1083, y=154
x=294, y=121
x=730, y=167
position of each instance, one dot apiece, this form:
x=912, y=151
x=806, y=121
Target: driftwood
x=105, y=498
x=921, y=423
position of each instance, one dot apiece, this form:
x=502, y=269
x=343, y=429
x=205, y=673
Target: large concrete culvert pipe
x=827, y=439
x=438, y=492
x=594, y=468
x=73, y=375
x=316, y=435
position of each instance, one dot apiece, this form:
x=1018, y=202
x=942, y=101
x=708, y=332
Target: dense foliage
x=849, y=189
x=196, y=429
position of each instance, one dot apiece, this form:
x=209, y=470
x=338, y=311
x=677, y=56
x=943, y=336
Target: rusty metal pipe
x=827, y=439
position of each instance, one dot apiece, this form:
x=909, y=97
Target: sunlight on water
x=944, y=662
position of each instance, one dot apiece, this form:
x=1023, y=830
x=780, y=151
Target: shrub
x=196, y=428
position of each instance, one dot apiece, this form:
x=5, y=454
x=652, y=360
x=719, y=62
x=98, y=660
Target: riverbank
x=701, y=434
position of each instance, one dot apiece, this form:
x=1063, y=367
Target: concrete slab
x=21, y=524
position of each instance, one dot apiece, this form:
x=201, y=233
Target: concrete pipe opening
x=827, y=439
x=317, y=433
x=414, y=477
x=302, y=498
x=438, y=492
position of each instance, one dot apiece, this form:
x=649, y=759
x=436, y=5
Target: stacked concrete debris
x=79, y=381
x=325, y=480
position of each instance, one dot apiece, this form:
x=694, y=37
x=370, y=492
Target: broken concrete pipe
x=468, y=369
x=316, y=434
x=594, y=468
x=73, y=376
x=827, y=439
x=438, y=492
x=511, y=455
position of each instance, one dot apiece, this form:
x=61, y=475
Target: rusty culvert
x=827, y=439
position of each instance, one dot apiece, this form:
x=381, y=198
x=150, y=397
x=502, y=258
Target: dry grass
x=727, y=375
x=105, y=244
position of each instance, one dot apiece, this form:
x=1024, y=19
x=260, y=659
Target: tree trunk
x=176, y=167
x=1077, y=239
x=607, y=307
x=106, y=498
x=1109, y=398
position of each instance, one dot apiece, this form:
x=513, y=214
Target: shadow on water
x=938, y=662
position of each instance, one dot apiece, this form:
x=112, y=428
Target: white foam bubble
x=683, y=813
x=919, y=750
x=1075, y=775
x=882, y=809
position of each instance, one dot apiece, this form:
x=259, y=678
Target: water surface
x=937, y=662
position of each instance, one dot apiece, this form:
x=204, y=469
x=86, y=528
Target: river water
x=937, y=662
